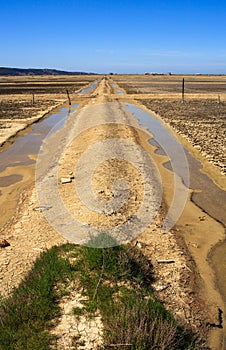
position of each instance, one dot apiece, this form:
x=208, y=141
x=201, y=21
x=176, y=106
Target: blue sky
x=114, y=36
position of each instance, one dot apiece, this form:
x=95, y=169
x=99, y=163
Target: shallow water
x=210, y=197
x=218, y=261
x=164, y=138
x=9, y=180
x=88, y=90
x=19, y=153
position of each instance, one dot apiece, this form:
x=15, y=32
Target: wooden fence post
x=183, y=90
x=68, y=96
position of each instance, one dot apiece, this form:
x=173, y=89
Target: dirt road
x=102, y=143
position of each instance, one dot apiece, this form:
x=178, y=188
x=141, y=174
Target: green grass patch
x=77, y=311
x=117, y=282
x=26, y=316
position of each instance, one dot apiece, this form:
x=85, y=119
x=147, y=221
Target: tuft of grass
x=117, y=282
x=77, y=311
x=25, y=317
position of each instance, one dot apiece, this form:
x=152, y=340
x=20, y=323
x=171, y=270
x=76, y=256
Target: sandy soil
x=186, y=285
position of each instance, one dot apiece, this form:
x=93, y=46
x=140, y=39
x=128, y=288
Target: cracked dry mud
x=77, y=332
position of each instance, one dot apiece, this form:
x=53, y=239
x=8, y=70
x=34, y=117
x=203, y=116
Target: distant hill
x=34, y=71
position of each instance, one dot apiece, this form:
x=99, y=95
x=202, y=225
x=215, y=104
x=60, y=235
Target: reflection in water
x=18, y=154
x=165, y=140
x=210, y=197
x=88, y=90
x=175, y=153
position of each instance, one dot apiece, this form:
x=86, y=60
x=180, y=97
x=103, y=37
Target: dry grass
x=164, y=86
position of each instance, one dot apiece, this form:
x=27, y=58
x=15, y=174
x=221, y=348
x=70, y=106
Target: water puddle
x=164, y=139
x=118, y=91
x=6, y=181
x=89, y=90
x=184, y=165
x=19, y=153
x=209, y=197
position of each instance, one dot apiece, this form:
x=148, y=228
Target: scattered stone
x=160, y=287
x=66, y=180
x=71, y=175
x=195, y=245
x=101, y=191
x=138, y=244
x=4, y=244
x=167, y=261
x=42, y=208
